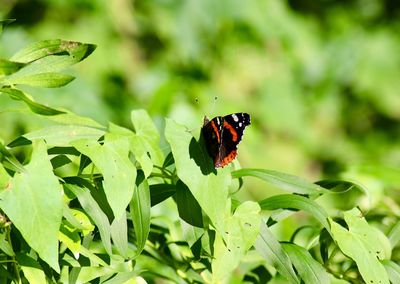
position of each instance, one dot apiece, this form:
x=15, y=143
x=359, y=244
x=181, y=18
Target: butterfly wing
x=212, y=134
x=233, y=127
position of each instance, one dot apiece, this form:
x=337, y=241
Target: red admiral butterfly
x=222, y=134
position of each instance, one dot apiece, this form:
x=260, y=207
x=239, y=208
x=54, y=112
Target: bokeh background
x=321, y=79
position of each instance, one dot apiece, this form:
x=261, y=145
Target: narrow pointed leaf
x=188, y=208
x=269, y=248
x=160, y=192
x=393, y=270
x=76, y=50
x=394, y=234
x=283, y=181
x=31, y=268
x=94, y=211
x=8, y=67
x=293, y=201
x=140, y=211
x=45, y=80
x=145, y=144
x=34, y=106
x=310, y=270
x=119, y=235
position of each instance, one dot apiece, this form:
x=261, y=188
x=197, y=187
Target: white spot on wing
x=235, y=118
x=240, y=124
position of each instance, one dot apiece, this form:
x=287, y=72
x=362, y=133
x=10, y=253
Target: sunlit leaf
x=32, y=270
x=293, y=201
x=119, y=235
x=64, y=135
x=269, y=248
x=281, y=180
x=76, y=50
x=35, y=192
x=94, y=211
x=203, y=181
x=46, y=80
x=112, y=159
x=310, y=270
x=145, y=144
x=241, y=231
x=140, y=211
x=363, y=244
x=394, y=234
x=393, y=270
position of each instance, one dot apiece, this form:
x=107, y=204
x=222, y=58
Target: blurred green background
x=321, y=79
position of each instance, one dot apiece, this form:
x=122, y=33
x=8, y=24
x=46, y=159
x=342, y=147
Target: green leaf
x=293, y=201
x=46, y=80
x=76, y=50
x=119, y=173
x=200, y=177
x=160, y=192
x=393, y=270
x=31, y=268
x=36, y=193
x=339, y=186
x=8, y=67
x=394, y=234
x=123, y=278
x=310, y=270
x=241, y=231
x=364, y=244
x=188, y=208
x=145, y=262
x=70, y=118
x=136, y=146
x=5, y=245
x=146, y=141
x=269, y=248
x=281, y=180
x=64, y=135
x=94, y=211
x=140, y=211
x=34, y=106
x=119, y=235
x=4, y=178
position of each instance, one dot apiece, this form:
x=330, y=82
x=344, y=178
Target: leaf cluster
x=84, y=202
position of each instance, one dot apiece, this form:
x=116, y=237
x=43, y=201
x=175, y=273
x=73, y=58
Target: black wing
x=232, y=133
x=212, y=132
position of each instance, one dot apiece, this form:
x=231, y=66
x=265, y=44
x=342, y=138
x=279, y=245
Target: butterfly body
x=222, y=135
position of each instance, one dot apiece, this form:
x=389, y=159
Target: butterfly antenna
x=213, y=106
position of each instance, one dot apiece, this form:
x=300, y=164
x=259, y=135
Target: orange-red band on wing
x=232, y=131
x=232, y=155
x=216, y=131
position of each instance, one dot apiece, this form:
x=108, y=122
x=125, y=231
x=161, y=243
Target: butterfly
x=222, y=134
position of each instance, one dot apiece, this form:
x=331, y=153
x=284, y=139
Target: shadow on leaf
x=199, y=154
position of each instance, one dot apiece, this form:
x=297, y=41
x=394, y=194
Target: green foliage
x=139, y=199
